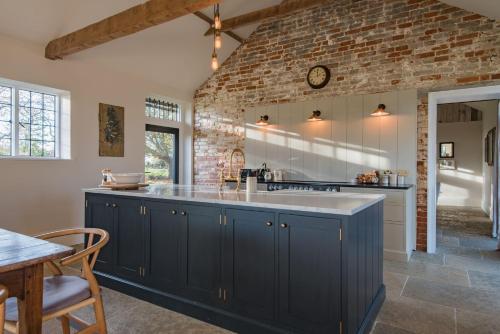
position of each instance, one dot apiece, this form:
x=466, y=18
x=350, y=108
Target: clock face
x=318, y=76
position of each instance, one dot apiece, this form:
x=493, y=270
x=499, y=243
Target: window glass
x=31, y=118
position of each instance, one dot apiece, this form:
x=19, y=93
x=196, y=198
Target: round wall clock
x=318, y=76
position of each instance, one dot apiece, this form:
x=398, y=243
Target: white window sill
x=34, y=158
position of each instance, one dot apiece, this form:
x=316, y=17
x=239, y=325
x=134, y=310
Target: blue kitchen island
x=268, y=262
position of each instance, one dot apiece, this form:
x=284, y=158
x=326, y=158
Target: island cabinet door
x=129, y=238
x=202, y=254
x=165, y=229
x=309, y=273
x=99, y=214
x=249, y=263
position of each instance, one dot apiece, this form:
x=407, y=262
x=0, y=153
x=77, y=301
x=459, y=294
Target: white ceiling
x=488, y=8
x=175, y=53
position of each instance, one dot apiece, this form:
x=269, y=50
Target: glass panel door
x=162, y=154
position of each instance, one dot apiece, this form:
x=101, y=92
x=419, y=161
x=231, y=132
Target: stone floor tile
x=462, y=251
x=394, y=283
x=468, y=263
x=482, y=280
x=449, y=241
x=417, y=316
x=149, y=318
x=477, y=323
x=381, y=328
x=478, y=242
x=429, y=271
x=491, y=254
x=472, y=299
x=418, y=256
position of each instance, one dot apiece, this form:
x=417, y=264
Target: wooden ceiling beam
x=127, y=22
x=211, y=22
x=285, y=7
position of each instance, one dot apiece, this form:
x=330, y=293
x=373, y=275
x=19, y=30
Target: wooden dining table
x=21, y=271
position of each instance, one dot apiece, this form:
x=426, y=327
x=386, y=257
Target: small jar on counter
x=106, y=176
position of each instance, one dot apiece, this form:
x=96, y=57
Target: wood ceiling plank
x=285, y=7
x=127, y=22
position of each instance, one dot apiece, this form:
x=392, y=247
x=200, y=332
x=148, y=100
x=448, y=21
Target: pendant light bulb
x=217, y=20
x=215, y=62
x=218, y=40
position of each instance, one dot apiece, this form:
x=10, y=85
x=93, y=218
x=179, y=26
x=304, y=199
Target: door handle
x=183, y=213
x=269, y=224
x=114, y=205
x=107, y=205
x=284, y=225
x=174, y=212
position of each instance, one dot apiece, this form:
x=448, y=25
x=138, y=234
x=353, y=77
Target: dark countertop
x=340, y=184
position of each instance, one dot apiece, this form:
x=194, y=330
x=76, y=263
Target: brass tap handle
x=222, y=180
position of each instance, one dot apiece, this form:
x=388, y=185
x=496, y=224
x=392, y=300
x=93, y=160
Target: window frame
x=174, y=131
x=180, y=105
x=15, y=124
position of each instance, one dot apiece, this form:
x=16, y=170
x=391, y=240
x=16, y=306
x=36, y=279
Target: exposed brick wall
x=370, y=46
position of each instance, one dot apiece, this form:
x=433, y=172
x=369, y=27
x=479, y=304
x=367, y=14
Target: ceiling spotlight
x=263, y=120
x=380, y=111
x=316, y=116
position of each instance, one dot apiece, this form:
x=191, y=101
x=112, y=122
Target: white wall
x=462, y=186
x=38, y=196
x=490, y=111
x=346, y=142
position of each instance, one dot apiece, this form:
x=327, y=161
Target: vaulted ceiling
x=488, y=8
x=175, y=54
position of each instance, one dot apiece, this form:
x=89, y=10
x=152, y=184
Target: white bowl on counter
x=127, y=178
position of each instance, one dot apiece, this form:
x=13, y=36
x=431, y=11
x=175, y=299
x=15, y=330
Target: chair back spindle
x=3, y=297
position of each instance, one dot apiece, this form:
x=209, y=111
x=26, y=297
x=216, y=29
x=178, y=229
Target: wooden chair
x=3, y=297
x=64, y=294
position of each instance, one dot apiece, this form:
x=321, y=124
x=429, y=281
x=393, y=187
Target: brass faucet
x=236, y=150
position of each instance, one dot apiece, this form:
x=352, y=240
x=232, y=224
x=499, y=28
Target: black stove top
x=303, y=185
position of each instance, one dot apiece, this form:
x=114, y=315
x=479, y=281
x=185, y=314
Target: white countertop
x=308, y=201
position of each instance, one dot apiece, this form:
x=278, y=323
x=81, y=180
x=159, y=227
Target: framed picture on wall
x=447, y=150
x=447, y=164
x=490, y=144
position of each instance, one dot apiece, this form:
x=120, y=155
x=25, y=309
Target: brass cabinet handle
x=183, y=213
x=269, y=224
x=284, y=225
x=174, y=212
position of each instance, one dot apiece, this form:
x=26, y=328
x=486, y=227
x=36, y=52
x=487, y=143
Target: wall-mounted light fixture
x=263, y=120
x=380, y=111
x=316, y=116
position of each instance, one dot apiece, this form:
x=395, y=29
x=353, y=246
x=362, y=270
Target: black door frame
x=175, y=132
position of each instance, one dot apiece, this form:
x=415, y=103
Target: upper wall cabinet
x=347, y=141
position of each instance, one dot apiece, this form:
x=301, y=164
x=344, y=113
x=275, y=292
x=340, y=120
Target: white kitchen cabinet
x=399, y=220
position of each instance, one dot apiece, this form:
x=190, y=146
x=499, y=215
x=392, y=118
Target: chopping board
x=124, y=186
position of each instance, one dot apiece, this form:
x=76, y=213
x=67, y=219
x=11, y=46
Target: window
x=28, y=122
x=156, y=108
x=6, y=108
x=162, y=154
